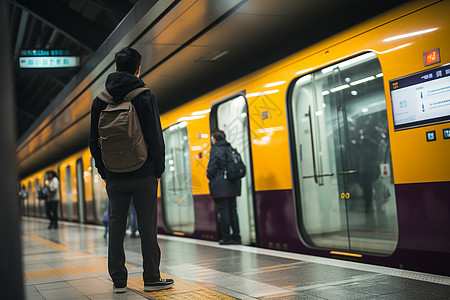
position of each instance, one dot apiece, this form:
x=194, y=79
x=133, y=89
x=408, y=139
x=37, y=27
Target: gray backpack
x=121, y=139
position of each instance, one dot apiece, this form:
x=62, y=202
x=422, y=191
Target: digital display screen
x=421, y=99
x=49, y=62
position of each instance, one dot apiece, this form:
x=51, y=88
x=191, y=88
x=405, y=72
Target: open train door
x=231, y=116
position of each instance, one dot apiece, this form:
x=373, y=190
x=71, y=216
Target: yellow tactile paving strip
x=180, y=290
x=65, y=271
x=69, y=270
x=278, y=295
x=48, y=243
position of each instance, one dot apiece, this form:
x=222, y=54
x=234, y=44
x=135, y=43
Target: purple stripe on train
x=205, y=218
x=423, y=218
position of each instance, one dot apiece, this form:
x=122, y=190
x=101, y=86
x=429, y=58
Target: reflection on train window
x=176, y=181
x=69, y=199
x=99, y=192
x=346, y=197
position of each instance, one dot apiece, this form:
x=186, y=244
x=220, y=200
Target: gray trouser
x=144, y=193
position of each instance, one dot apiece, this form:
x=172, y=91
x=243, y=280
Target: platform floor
x=70, y=263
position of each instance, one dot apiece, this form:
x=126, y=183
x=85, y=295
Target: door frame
x=292, y=141
x=213, y=126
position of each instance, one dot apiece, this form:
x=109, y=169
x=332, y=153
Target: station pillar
x=11, y=271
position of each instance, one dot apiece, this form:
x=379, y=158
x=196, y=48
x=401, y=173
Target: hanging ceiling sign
x=48, y=59
x=48, y=62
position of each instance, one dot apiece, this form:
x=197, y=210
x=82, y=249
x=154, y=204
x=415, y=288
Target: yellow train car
x=345, y=145
x=341, y=158
x=82, y=192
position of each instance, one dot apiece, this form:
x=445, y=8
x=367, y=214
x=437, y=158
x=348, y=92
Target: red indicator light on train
x=432, y=57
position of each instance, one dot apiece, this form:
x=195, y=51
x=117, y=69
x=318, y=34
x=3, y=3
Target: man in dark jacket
x=223, y=190
x=140, y=184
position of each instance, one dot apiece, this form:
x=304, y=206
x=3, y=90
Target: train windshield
x=344, y=184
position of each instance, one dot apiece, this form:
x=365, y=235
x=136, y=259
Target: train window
x=176, y=183
x=99, y=192
x=69, y=200
x=343, y=183
x=80, y=190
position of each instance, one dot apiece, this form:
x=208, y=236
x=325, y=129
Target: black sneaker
x=161, y=284
x=226, y=242
x=118, y=290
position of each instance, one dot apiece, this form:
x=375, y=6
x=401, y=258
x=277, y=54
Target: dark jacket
x=219, y=186
x=118, y=85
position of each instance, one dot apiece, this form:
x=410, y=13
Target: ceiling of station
x=79, y=25
x=251, y=35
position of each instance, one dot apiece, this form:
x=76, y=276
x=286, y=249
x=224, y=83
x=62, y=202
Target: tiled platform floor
x=70, y=263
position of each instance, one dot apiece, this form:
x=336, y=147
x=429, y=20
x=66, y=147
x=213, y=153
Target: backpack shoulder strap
x=134, y=93
x=230, y=151
x=105, y=96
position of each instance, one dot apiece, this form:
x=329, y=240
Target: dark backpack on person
x=235, y=168
x=121, y=139
x=23, y=194
x=43, y=193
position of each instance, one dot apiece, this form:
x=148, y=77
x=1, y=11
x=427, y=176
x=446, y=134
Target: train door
x=69, y=196
x=41, y=203
x=98, y=192
x=176, y=182
x=231, y=117
x=30, y=200
x=344, y=184
x=24, y=199
x=80, y=191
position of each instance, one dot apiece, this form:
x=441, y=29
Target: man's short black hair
x=128, y=60
x=53, y=173
x=218, y=135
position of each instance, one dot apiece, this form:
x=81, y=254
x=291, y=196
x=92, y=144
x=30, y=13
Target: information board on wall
x=421, y=99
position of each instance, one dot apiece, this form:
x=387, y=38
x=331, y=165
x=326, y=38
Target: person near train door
x=23, y=193
x=224, y=190
x=53, y=198
x=127, y=144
